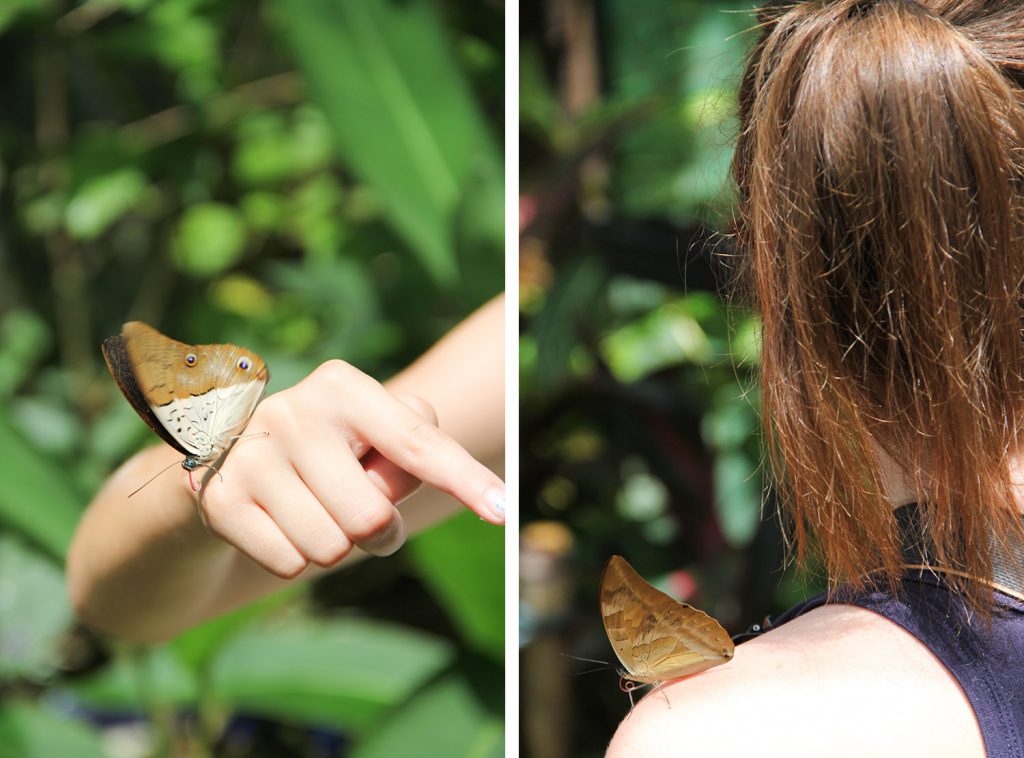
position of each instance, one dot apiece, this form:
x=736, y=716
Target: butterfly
x=656, y=637
x=198, y=398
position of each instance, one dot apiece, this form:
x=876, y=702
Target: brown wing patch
x=167, y=369
x=655, y=636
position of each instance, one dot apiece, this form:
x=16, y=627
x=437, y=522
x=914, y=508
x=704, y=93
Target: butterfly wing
x=115, y=352
x=655, y=636
x=201, y=396
x=220, y=414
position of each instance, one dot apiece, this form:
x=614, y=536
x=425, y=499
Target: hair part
x=880, y=177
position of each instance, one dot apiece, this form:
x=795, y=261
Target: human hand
x=339, y=452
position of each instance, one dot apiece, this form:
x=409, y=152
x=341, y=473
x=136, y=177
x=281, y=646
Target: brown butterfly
x=198, y=398
x=655, y=636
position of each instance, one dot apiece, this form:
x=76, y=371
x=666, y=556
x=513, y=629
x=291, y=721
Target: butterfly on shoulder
x=198, y=398
x=656, y=637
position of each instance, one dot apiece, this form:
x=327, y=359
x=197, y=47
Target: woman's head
x=880, y=173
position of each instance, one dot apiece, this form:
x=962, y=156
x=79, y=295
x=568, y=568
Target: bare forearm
x=135, y=565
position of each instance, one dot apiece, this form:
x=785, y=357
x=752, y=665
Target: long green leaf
x=463, y=561
x=32, y=632
x=401, y=110
x=345, y=672
x=35, y=499
x=29, y=731
x=445, y=719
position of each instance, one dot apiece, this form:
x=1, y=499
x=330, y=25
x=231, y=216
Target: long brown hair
x=880, y=175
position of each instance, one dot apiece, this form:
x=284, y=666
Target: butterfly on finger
x=198, y=398
x=656, y=637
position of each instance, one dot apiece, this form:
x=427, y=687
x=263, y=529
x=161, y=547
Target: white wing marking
x=205, y=424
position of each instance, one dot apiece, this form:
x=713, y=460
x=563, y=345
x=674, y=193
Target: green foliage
x=31, y=632
x=314, y=180
x=640, y=410
x=27, y=729
x=401, y=113
x=461, y=561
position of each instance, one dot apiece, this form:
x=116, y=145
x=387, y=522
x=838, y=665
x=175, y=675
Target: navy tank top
x=986, y=660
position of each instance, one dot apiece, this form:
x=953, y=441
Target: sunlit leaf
x=136, y=680
x=667, y=336
x=462, y=561
x=199, y=644
x=345, y=672
x=24, y=339
x=444, y=719
x=402, y=114
x=241, y=294
x=28, y=730
x=102, y=200
x=210, y=238
x=31, y=632
x=35, y=499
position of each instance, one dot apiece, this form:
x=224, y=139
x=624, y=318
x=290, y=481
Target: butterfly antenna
x=150, y=480
x=250, y=434
x=604, y=664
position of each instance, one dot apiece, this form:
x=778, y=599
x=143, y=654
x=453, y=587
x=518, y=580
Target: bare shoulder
x=837, y=681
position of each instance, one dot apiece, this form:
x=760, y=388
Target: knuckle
x=331, y=552
x=336, y=372
x=420, y=406
x=423, y=439
x=369, y=522
x=288, y=567
x=212, y=510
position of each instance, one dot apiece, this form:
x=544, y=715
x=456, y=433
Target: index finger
x=414, y=444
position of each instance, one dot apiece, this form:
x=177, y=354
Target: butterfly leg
x=660, y=686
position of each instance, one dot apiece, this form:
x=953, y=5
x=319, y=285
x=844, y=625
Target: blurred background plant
x=312, y=179
x=639, y=405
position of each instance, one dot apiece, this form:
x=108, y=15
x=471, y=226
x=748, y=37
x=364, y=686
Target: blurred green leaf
x=243, y=295
x=462, y=561
x=44, y=214
x=10, y=10
x=263, y=211
x=102, y=200
x=139, y=679
x=676, y=162
x=31, y=632
x=210, y=239
x=666, y=336
x=345, y=672
x=445, y=719
x=185, y=41
x=570, y=306
x=271, y=150
x=28, y=730
x=312, y=215
x=539, y=109
x=35, y=499
x=47, y=423
x=200, y=643
x=403, y=117
x=737, y=497
x=24, y=339
x=479, y=225
x=643, y=497
x=731, y=422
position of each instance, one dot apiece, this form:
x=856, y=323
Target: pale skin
x=316, y=483
x=837, y=681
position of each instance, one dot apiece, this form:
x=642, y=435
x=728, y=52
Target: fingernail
x=495, y=497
